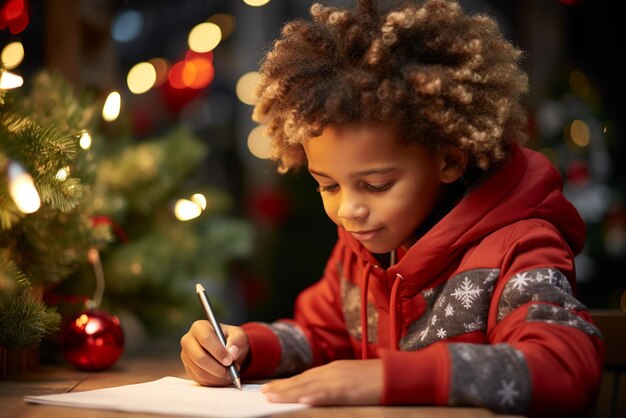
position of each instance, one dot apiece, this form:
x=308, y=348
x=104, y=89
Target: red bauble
x=92, y=340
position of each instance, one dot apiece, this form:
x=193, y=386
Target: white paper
x=173, y=396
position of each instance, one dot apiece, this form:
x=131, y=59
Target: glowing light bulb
x=256, y=3
x=112, y=106
x=185, y=210
x=204, y=37
x=141, y=77
x=85, y=140
x=9, y=80
x=22, y=189
x=12, y=55
x=246, y=86
x=62, y=174
x=259, y=143
x=199, y=200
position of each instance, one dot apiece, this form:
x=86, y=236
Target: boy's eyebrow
x=382, y=170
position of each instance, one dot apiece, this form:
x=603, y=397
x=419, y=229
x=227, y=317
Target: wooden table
x=143, y=367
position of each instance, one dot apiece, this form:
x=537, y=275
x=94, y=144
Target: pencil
x=204, y=300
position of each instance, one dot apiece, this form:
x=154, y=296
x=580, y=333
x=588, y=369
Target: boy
x=452, y=279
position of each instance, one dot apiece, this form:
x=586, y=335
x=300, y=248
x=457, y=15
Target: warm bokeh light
x=199, y=200
x=195, y=73
x=85, y=140
x=82, y=320
x=579, y=133
x=185, y=210
x=136, y=268
x=112, y=107
x=141, y=78
x=62, y=174
x=204, y=37
x=246, y=86
x=161, y=68
x=12, y=55
x=226, y=22
x=259, y=143
x=9, y=80
x=22, y=189
x=256, y=3
x=579, y=83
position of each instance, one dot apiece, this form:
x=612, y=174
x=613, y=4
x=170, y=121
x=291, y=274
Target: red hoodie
x=479, y=311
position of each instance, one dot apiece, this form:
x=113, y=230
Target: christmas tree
x=39, y=135
x=134, y=202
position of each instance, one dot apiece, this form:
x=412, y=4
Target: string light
x=256, y=3
x=185, y=210
x=204, y=37
x=199, y=200
x=246, y=86
x=62, y=174
x=12, y=55
x=85, y=140
x=579, y=133
x=22, y=189
x=141, y=77
x=112, y=106
x=9, y=80
x=259, y=143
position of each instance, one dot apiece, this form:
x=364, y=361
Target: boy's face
x=373, y=185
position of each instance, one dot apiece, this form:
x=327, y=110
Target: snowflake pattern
x=520, y=281
x=561, y=316
x=459, y=304
x=498, y=371
x=507, y=392
x=441, y=333
x=538, y=285
x=467, y=292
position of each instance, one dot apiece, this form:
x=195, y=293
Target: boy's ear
x=453, y=164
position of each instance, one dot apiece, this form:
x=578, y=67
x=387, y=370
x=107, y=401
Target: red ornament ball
x=92, y=340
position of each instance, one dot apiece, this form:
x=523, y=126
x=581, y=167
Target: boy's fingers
x=197, y=355
x=203, y=332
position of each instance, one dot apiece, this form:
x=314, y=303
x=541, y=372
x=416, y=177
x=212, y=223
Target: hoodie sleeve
x=542, y=357
x=315, y=336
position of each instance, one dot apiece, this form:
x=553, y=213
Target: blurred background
x=175, y=184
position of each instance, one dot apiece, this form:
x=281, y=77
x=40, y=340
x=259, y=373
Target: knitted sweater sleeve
x=316, y=335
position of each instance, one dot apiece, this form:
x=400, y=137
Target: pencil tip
x=199, y=288
x=238, y=383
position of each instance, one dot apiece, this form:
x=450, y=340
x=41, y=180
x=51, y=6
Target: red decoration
x=92, y=340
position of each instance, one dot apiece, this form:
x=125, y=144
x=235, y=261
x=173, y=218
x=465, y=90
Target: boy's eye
x=329, y=188
x=377, y=188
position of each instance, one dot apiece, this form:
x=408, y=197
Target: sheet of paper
x=173, y=396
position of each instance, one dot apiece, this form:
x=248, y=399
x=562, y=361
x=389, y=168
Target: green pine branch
x=24, y=321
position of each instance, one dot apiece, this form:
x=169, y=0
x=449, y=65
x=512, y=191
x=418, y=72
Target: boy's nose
x=352, y=208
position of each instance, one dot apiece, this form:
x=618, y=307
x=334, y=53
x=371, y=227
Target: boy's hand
x=343, y=382
x=205, y=358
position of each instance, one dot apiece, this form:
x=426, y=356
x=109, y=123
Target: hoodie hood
x=528, y=186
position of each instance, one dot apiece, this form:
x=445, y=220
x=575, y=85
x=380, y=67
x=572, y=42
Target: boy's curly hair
x=441, y=76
